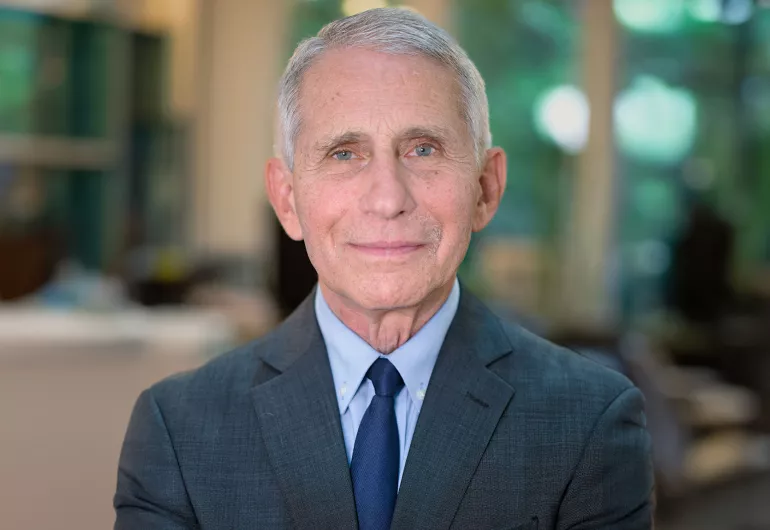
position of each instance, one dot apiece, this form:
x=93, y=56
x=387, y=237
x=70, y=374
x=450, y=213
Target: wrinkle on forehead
x=342, y=78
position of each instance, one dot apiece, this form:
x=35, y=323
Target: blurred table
x=26, y=331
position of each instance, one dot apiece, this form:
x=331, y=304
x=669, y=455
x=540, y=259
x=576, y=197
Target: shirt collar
x=350, y=356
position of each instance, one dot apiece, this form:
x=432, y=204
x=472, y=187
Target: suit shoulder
x=230, y=372
x=557, y=370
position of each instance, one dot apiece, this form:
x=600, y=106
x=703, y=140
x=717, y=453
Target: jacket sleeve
x=151, y=494
x=612, y=485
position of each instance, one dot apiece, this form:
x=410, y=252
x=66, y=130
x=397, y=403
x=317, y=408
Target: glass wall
x=86, y=148
x=527, y=53
x=690, y=118
x=55, y=146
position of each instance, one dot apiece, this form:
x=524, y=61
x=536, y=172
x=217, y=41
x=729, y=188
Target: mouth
x=388, y=248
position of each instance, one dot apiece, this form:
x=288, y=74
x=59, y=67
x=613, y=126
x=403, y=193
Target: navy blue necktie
x=376, y=454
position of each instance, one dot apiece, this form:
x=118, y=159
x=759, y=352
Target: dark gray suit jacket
x=514, y=433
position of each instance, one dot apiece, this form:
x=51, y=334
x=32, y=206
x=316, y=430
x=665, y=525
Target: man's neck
x=385, y=330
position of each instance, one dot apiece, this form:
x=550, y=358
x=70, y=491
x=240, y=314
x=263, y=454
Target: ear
x=279, y=182
x=492, y=185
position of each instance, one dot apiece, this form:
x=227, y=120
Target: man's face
x=385, y=189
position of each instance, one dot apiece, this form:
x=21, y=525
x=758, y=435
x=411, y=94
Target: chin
x=389, y=292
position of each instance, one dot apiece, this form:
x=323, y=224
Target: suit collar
x=462, y=408
x=294, y=337
x=479, y=330
x=301, y=427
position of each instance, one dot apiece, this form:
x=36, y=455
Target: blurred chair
x=699, y=424
x=28, y=261
x=295, y=275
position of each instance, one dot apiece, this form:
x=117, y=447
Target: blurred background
x=136, y=239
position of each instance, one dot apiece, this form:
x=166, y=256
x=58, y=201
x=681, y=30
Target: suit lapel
x=462, y=407
x=300, y=425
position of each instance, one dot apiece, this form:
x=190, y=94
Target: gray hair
x=390, y=30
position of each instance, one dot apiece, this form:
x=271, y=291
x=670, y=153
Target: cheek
x=454, y=208
x=319, y=208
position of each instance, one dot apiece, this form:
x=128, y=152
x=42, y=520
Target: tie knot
x=385, y=378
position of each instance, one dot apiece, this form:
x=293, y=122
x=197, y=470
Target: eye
x=343, y=155
x=424, y=150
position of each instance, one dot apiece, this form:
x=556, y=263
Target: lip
x=388, y=248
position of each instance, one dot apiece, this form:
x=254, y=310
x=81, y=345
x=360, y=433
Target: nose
x=387, y=192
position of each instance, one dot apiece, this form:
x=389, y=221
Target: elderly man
x=392, y=398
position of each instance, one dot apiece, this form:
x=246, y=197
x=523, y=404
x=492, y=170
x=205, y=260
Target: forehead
x=364, y=89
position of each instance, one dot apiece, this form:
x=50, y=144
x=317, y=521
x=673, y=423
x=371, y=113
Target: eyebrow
x=437, y=134
x=350, y=137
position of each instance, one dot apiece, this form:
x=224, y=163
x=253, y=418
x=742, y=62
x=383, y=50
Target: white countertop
x=186, y=331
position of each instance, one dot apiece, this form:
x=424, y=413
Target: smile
x=387, y=249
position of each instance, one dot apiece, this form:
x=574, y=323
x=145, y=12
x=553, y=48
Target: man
x=392, y=398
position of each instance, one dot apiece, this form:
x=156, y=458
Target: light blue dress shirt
x=350, y=358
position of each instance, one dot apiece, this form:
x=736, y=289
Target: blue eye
x=343, y=155
x=424, y=150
